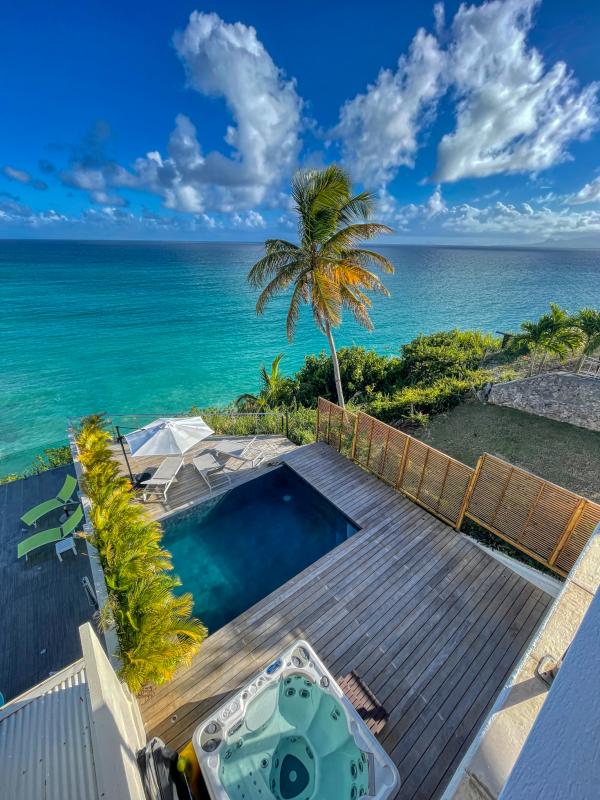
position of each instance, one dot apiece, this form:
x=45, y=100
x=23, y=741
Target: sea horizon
x=124, y=326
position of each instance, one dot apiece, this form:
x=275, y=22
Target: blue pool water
x=232, y=551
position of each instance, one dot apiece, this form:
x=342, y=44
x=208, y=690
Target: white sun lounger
x=162, y=479
x=210, y=469
x=250, y=453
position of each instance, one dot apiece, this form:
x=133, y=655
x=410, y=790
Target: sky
x=474, y=123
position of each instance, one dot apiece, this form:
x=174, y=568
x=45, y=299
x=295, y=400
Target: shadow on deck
x=430, y=622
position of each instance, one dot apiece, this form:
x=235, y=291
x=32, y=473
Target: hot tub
x=291, y=734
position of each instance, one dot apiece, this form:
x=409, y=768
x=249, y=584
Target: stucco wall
x=563, y=396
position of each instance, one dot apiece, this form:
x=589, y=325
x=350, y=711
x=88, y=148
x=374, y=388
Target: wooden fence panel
x=549, y=523
x=546, y=521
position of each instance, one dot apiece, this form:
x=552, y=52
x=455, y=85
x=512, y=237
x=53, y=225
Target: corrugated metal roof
x=45, y=741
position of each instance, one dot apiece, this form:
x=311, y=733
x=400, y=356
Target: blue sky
x=474, y=124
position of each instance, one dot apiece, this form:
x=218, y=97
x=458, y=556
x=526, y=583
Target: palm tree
x=327, y=269
x=553, y=333
x=268, y=395
x=588, y=321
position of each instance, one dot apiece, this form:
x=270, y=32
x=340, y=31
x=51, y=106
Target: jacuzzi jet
x=287, y=498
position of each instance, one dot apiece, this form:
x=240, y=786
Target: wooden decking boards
x=43, y=602
x=429, y=621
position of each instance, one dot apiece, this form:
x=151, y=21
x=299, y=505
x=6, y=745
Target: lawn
x=559, y=452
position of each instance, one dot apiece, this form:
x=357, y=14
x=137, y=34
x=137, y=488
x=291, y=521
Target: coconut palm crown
x=327, y=269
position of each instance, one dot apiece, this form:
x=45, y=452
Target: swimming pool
x=291, y=734
x=237, y=548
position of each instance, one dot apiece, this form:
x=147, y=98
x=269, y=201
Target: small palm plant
x=268, y=397
x=554, y=333
x=327, y=269
x=588, y=321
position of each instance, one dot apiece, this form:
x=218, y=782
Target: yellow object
x=191, y=769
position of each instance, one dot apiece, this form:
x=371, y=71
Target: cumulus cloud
x=590, y=193
x=21, y=176
x=513, y=115
x=228, y=61
x=379, y=129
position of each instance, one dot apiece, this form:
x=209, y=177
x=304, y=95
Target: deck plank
x=431, y=622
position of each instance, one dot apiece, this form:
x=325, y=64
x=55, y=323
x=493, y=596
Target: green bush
x=50, y=458
x=447, y=354
x=439, y=396
x=364, y=373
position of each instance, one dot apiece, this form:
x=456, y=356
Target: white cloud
x=513, y=115
x=250, y=220
x=590, y=193
x=21, y=176
x=379, y=129
x=228, y=60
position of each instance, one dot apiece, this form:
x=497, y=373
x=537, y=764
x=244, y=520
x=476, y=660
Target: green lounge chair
x=31, y=517
x=51, y=535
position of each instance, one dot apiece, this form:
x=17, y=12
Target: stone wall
x=563, y=396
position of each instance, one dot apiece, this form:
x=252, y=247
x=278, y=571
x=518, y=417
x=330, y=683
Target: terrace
x=431, y=622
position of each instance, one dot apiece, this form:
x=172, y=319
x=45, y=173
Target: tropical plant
x=155, y=628
x=275, y=390
x=554, y=333
x=327, y=269
x=451, y=353
x=588, y=321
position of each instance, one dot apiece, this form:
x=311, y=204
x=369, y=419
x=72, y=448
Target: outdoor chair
x=51, y=535
x=62, y=498
x=209, y=468
x=162, y=479
x=252, y=453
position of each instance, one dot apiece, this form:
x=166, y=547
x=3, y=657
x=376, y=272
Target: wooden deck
x=429, y=621
x=42, y=600
x=189, y=488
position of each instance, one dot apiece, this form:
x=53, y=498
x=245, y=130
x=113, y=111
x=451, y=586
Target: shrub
x=451, y=354
x=364, y=373
x=49, y=458
x=441, y=395
x=155, y=628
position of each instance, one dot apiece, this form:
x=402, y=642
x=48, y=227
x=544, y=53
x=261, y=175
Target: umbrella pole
x=120, y=440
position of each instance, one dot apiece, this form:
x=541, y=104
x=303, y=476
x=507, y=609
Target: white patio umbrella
x=165, y=437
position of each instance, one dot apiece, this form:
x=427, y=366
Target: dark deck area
x=42, y=601
x=433, y=625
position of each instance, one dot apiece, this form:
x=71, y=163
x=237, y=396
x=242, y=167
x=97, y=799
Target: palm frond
x=279, y=283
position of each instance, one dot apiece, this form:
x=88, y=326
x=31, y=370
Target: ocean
x=127, y=327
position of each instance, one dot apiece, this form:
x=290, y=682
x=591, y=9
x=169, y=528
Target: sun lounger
x=251, y=453
x=37, y=512
x=209, y=468
x=162, y=479
x=51, y=535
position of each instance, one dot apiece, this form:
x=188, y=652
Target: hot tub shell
x=214, y=736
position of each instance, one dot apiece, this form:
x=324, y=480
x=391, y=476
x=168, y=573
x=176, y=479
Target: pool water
x=235, y=549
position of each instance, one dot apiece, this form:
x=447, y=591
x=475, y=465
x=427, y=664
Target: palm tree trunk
x=336, y=366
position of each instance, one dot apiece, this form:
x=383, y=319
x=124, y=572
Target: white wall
x=561, y=756
x=118, y=731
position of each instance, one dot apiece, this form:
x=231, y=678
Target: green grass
x=558, y=452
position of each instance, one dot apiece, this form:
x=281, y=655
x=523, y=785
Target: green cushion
x=73, y=521
x=68, y=488
x=38, y=511
x=38, y=540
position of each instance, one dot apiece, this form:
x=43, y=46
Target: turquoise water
x=234, y=550
x=125, y=327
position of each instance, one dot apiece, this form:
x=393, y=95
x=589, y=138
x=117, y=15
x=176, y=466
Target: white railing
x=590, y=367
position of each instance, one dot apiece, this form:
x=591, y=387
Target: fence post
x=468, y=493
x=287, y=424
x=318, y=419
x=566, y=534
x=354, y=435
